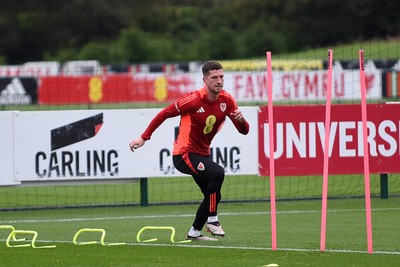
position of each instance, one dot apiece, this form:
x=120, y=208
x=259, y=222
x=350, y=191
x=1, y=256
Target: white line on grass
x=182, y=215
x=279, y=249
x=192, y=245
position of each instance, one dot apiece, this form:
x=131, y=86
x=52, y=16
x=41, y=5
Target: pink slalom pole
x=366, y=151
x=271, y=151
x=326, y=151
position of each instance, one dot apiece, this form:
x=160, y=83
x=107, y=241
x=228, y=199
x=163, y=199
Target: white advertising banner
x=94, y=144
x=7, y=148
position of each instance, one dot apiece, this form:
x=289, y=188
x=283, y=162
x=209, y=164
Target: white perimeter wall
x=7, y=148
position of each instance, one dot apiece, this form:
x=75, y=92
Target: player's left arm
x=236, y=116
x=239, y=121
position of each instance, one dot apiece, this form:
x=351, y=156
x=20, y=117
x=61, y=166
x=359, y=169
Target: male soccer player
x=202, y=113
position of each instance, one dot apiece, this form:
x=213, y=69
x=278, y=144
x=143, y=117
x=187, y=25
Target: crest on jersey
x=201, y=167
x=222, y=106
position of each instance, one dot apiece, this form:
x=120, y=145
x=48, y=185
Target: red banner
x=300, y=134
x=111, y=88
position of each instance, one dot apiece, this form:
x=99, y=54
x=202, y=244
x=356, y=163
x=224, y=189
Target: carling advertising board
x=94, y=144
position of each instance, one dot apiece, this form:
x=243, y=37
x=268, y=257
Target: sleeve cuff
x=145, y=138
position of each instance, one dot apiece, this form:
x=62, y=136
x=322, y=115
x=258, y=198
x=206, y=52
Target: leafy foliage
x=164, y=30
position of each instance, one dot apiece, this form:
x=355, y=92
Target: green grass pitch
x=247, y=242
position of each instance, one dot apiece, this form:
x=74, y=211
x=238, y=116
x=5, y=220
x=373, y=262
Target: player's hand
x=135, y=144
x=237, y=115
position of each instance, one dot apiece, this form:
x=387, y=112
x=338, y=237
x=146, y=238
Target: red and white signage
x=300, y=132
x=113, y=88
x=301, y=85
x=243, y=86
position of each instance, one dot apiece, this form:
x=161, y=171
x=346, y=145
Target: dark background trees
x=115, y=31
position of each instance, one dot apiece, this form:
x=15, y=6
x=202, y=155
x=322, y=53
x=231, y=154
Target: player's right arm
x=177, y=108
x=135, y=144
x=164, y=114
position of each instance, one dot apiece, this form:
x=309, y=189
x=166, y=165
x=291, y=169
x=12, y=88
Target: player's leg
x=202, y=211
x=183, y=164
x=209, y=177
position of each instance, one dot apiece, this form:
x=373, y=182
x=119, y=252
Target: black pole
x=144, y=199
x=384, y=186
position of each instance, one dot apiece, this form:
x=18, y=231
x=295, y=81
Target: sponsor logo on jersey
x=201, y=110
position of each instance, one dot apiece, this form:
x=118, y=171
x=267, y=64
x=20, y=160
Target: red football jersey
x=201, y=119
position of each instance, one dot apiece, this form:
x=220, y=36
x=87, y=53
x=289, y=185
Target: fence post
x=144, y=199
x=384, y=186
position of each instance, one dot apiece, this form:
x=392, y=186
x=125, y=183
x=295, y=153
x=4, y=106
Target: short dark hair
x=211, y=65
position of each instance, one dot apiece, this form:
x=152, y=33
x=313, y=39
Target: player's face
x=214, y=81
